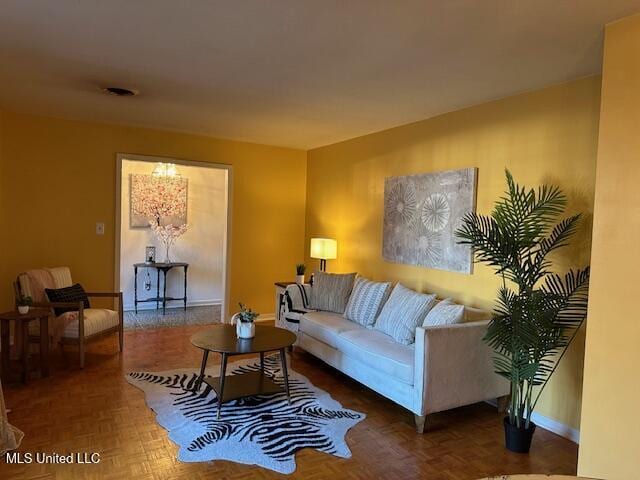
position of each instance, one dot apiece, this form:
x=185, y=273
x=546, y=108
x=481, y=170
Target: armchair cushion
x=74, y=293
x=96, y=320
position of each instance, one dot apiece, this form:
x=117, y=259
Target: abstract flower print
x=435, y=212
x=401, y=204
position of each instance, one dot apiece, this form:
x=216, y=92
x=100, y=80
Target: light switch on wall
x=100, y=228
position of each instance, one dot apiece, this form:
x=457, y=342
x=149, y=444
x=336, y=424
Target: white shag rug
x=262, y=430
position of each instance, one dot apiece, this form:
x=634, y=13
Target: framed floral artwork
x=421, y=215
x=158, y=200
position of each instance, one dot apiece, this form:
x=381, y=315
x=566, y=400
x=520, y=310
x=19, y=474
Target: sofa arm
x=454, y=367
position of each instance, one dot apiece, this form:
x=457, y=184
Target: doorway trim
x=226, y=274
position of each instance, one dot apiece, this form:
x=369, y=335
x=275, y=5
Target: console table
x=164, y=268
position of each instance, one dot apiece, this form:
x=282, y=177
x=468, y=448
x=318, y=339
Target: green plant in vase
x=538, y=312
x=24, y=302
x=245, y=328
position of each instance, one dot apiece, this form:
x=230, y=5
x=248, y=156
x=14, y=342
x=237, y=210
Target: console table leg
x=223, y=372
x=185, y=288
x=285, y=374
x=164, y=292
x=135, y=289
x=157, y=288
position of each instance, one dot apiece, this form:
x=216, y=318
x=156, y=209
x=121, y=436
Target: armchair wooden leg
x=421, y=421
x=503, y=403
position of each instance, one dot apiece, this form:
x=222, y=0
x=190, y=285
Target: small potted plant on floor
x=300, y=269
x=538, y=312
x=245, y=328
x=24, y=302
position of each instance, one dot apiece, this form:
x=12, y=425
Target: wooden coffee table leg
x=4, y=334
x=223, y=372
x=205, y=356
x=44, y=346
x=285, y=374
x=262, y=361
x=25, y=352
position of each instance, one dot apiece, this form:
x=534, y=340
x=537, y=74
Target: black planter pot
x=518, y=439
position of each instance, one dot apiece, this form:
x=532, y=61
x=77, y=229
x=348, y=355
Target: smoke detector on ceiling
x=120, y=91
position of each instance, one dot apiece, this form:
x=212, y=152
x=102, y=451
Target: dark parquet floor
x=96, y=410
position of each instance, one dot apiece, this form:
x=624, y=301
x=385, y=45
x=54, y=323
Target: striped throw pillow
x=365, y=301
x=403, y=313
x=330, y=291
x=444, y=313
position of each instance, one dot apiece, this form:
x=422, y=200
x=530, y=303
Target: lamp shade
x=324, y=248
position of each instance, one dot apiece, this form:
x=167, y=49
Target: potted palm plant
x=538, y=312
x=300, y=269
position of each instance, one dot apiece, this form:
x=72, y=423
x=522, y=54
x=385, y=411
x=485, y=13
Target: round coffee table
x=222, y=339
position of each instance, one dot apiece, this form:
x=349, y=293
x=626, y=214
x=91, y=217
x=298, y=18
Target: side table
x=164, y=268
x=22, y=322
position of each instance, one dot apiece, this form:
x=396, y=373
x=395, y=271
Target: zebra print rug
x=262, y=430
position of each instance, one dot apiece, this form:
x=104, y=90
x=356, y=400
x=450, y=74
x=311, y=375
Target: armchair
x=79, y=327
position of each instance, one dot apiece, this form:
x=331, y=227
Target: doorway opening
x=172, y=241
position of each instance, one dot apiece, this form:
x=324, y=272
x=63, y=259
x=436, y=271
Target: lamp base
x=323, y=265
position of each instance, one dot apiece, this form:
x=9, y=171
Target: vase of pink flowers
x=168, y=234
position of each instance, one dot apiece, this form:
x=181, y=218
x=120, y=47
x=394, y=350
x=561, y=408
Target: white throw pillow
x=365, y=301
x=403, y=313
x=444, y=313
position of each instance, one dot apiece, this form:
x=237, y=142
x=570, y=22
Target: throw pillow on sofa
x=74, y=293
x=330, y=291
x=444, y=313
x=403, y=313
x=366, y=300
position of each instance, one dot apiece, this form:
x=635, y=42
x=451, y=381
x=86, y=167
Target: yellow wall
x=610, y=436
x=58, y=179
x=544, y=136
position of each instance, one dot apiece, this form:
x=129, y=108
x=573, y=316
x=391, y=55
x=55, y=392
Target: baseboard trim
x=552, y=425
x=172, y=304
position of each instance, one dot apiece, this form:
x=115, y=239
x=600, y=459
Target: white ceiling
x=299, y=73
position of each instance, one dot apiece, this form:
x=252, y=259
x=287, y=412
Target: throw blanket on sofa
x=296, y=304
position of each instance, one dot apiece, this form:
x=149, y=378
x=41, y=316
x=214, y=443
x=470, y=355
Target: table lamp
x=324, y=249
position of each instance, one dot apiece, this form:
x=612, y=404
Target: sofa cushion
x=378, y=351
x=366, y=301
x=403, y=313
x=326, y=326
x=444, y=313
x=330, y=291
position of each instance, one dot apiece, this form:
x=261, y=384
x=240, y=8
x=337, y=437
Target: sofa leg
x=503, y=403
x=420, y=422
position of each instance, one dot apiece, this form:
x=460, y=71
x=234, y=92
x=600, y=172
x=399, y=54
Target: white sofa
x=448, y=366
